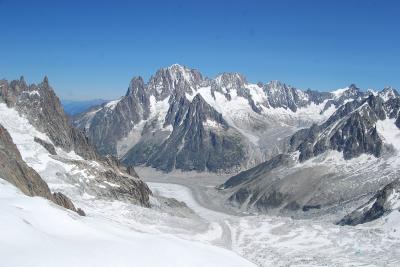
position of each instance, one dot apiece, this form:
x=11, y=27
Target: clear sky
x=91, y=49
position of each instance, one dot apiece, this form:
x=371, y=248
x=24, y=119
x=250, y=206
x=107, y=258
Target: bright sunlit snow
x=35, y=232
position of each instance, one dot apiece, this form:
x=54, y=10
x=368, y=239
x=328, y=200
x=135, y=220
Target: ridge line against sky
x=91, y=49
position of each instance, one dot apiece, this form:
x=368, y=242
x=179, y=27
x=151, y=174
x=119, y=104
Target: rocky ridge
x=328, y=166
x=382, y=203
x=14, y=170
x=243, y=123
x=65, y=145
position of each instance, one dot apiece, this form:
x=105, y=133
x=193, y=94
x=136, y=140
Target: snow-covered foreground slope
x=34, y=232
x=114, y=233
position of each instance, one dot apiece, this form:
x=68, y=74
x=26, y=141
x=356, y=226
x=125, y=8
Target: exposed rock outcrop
x=201, y=140
x=14, y=170
x=40, y=105
x=351, y=129
x=49, y=147
x=382, y=203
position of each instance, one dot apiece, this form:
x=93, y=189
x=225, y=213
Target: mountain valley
x=216, y=172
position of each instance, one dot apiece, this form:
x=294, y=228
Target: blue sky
x=91, y=49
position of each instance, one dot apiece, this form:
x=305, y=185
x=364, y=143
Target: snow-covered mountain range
x=182, y=120
x=329, y=166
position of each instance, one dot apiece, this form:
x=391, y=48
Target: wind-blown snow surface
x=35, y=232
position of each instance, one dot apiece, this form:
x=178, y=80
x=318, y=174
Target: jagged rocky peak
x=46, y=80
x=174, y=79
x=351, y=91
x=41, y=106
x=281, y=95
x=202, y=111
x=388, y=93
x=353, y=88
x=135, y=86
x=351, y=130
x=230, y=81
x=138, y=94
x=275, y=84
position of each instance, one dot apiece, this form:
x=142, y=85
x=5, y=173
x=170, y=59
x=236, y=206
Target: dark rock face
x=174, y=79
x=49, y=147
x=63, y=201
x=127, y=189
x=281, y=95
x=351, y=130
x=14, y=170
x=44, y=111
x=379, y=205
x=260, y=169
x=115, y=121
x=245, y=192
x=191, y=145
x=131, y=171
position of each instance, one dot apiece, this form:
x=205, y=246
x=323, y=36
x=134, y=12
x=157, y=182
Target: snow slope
x=50, y=236
x=114, y=233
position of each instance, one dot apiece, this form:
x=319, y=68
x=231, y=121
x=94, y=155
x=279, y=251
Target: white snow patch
x=339, y=92
x=211, y=124
x=111, y=184
x=112, y=104
x=32, y=93
x=388, y=130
